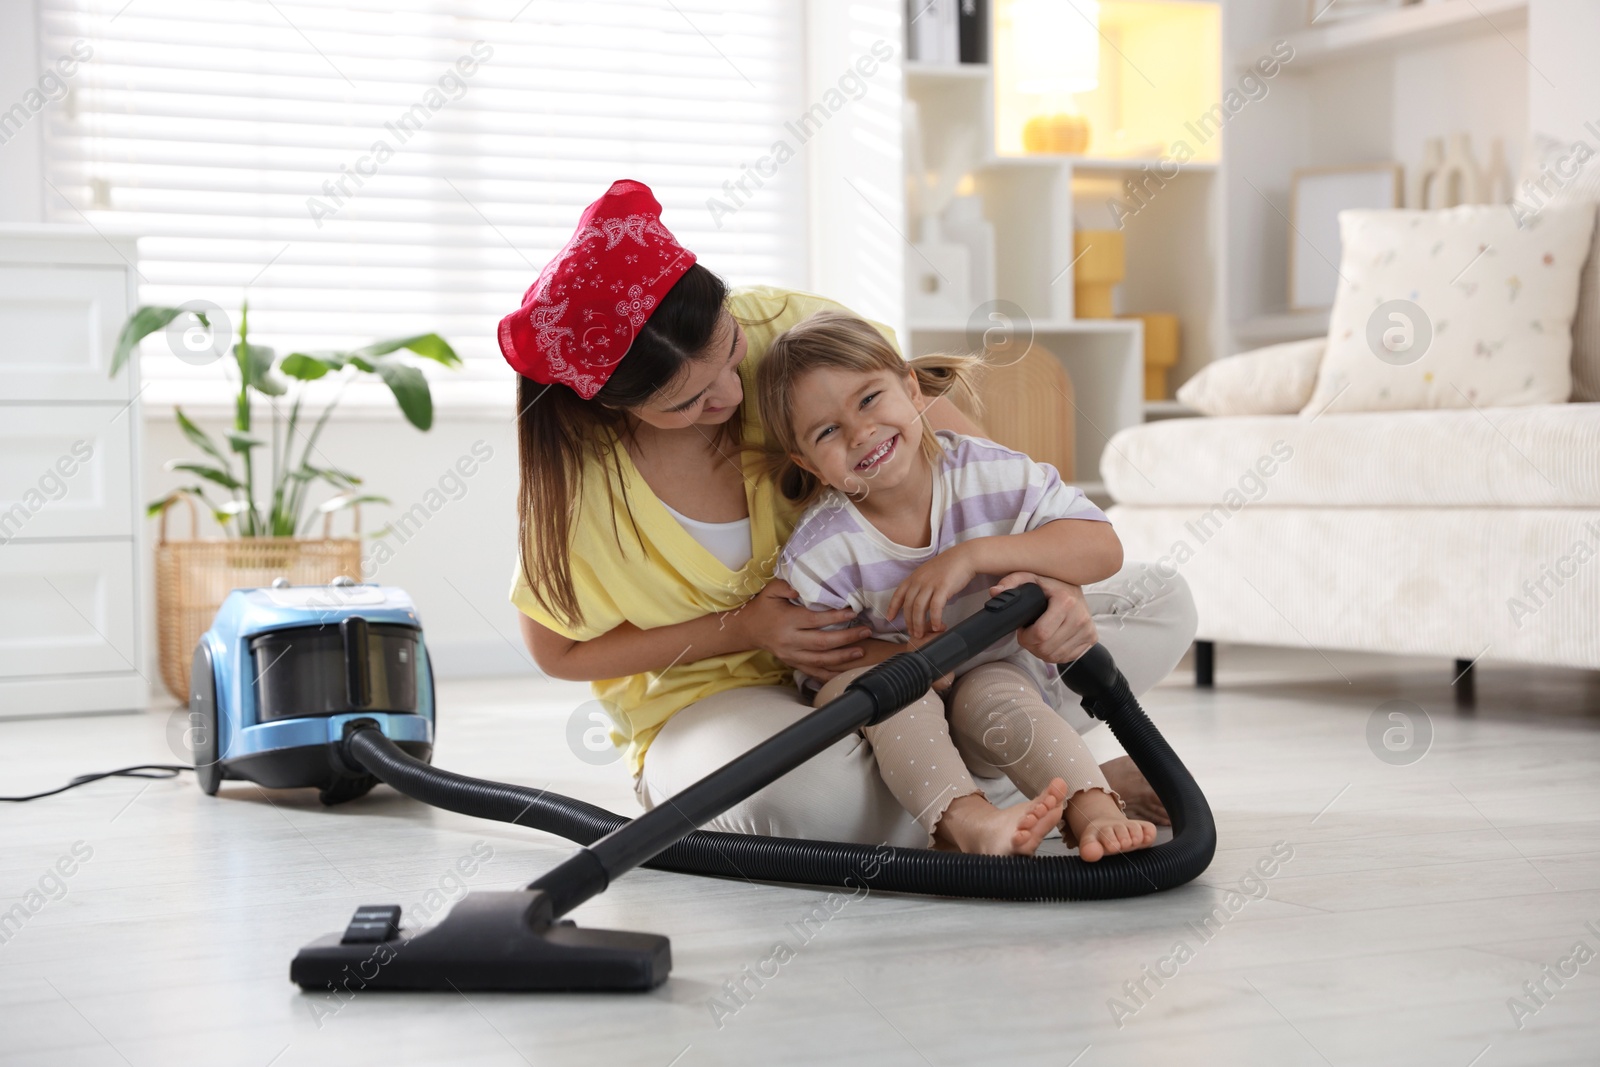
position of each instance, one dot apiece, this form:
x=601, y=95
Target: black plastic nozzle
x=1092, y=675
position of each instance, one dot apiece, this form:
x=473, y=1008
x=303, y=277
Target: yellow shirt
x=661, y=575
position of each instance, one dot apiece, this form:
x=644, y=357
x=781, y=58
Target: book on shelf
x=972, y=31
x=947, y=32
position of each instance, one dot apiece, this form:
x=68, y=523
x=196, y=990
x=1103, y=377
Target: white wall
x=1564, y=86
x=856, y=252
x=455, y=555
x=1275, y=127
x=21, y=173
x=1432, y=98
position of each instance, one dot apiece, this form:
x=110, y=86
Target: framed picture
x=1319, y=194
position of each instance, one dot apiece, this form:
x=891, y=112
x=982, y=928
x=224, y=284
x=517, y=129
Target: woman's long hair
x=555, y=427
x=846, y=342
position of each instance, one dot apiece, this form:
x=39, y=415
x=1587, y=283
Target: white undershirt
x=728, y=541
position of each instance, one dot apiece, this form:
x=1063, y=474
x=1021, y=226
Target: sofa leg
x=1205, y=661
x=1466, y=675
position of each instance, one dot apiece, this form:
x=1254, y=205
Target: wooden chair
x=1028, y=406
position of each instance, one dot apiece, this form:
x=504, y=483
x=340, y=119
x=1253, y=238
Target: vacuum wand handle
x=871, y=698
x=905, y=676
x=1000, y=616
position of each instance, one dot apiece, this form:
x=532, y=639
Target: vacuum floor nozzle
x=490, y=942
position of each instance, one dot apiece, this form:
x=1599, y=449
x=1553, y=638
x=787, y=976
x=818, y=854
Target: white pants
x=1145, y=620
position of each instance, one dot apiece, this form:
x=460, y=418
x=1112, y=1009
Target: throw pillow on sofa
x=1275, y=380
x=1454, y=308
x=1556, y=173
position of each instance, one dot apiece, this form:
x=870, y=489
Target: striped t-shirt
x=836, y=558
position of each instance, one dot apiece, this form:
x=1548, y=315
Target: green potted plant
x=259, y=487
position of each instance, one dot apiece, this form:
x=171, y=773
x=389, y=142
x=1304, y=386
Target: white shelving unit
x=862, y=230
x=1110, y=165
x=1419, y=26
x=1031, y=201
x=1156, y=410
x=1272, y=329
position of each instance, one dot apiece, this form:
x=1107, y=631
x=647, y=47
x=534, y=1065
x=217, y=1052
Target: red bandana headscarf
x=578, y=320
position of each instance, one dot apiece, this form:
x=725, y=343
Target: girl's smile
x=879, y=455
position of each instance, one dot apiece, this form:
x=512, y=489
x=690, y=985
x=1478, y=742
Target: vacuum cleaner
x=284, y=671
x=330, y=687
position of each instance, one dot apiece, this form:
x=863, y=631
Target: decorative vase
x=1422, y=178
x=1161, y=351
x=1458, y=180
x=964, y=224
x=1100, y=263
x=1062, y=133
x=938, y=275
x=1495, y=182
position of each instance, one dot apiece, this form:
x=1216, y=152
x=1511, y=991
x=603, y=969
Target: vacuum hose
x=1094, y=677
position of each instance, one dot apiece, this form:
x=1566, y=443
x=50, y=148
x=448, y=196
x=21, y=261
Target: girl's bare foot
x=972, y=824
x=1123, y=775
x=1101, y=827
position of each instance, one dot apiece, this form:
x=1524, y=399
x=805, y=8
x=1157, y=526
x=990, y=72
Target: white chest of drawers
x=72, y=561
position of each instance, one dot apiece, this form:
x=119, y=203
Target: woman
x=649, y=534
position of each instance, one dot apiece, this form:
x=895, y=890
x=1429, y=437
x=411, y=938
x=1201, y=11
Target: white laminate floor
x=1418, y=901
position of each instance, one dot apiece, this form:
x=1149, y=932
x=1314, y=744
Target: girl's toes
x=1025, y=842
x=1089, y=849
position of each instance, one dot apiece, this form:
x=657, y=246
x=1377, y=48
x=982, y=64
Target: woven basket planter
x=193, y=578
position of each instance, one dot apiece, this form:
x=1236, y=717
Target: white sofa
x=1454, y=533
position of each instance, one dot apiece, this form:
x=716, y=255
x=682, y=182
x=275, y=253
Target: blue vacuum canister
x=286, y=672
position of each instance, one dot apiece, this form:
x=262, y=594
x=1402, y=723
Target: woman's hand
x=929, y=588
x=1066, y=629
x=794, y=634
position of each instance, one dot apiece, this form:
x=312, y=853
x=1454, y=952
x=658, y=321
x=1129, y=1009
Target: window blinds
x=362, y=169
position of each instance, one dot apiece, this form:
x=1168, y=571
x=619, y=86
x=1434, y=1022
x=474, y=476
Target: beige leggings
x=996, y=721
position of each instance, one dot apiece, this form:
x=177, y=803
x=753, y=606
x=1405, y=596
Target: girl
x=910, y=529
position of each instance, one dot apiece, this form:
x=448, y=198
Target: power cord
x=171, y=769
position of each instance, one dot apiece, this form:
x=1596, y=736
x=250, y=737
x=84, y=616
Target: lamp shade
x=1056, y=46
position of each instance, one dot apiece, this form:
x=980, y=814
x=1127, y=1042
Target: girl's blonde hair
x=846, y=342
